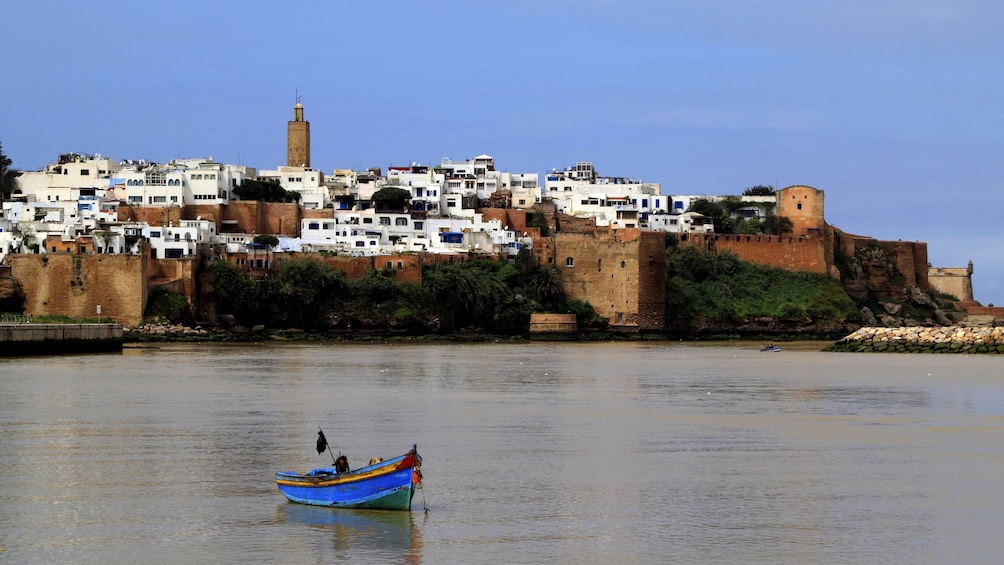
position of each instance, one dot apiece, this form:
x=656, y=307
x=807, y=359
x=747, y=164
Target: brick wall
x=282, y=218
x=176, y=274
x=553, y=323
x=792, y=253
x=74, y=285
x=153, y=215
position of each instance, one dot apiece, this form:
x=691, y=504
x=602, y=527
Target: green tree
x=545, y=284
x=391, y=198
x=717, y=212
x=266, y=239
x=777, y=225
x=8, y=176
x=265, y=191
x=466, y=294
x=304, y=290
x=749, y=226
x=237, y=294
x=168, y=304
x=759, y=190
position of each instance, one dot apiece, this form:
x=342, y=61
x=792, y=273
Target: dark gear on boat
x=322, y=442
x=342, y=464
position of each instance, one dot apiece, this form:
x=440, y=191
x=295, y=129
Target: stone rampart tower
x=803, y=205
x=298, y=139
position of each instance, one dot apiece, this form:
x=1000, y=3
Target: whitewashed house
x=613, y=201
x=308, y=182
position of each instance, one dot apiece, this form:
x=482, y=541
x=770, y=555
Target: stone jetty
x=51, y=339
x=948, y=339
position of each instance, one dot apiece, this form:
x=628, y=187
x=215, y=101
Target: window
x=313, y=226
x=569, y=262
x=360, y=244
x=384, y=221
x=599, y=264
x=367, y=220
x=799, y=205
x=401, y=221
x=419, y=225
x=85, y=172
x=622, y=264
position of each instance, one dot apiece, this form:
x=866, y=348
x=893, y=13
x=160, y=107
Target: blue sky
x=893, y=108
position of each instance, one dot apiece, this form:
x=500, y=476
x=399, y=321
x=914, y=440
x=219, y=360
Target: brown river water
x=539, y=452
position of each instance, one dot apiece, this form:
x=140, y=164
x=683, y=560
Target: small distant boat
x=381, y=485
x=770, y=347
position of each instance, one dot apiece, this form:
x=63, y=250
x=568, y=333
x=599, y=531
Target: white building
x=477, y=179
x=688, y=222
x=613, y=201
x=67, y=178
x=178, y=183
x=309, y=183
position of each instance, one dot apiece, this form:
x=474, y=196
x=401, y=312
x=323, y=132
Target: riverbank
x=948, y=339
x=165, y=333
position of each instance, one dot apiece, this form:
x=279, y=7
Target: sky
x=892, y=108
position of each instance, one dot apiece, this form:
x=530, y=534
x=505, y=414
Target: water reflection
x=340, y=533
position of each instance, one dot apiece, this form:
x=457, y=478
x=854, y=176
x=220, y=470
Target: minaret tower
x=298, y=139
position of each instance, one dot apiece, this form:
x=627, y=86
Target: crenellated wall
x=793, y=253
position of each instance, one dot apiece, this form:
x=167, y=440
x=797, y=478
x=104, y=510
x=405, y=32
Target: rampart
x=793, y=253
x=243, y=216
x=909, y=257
x=77, y=285
x=955, y=281
x=177, y=275
x=622, y=275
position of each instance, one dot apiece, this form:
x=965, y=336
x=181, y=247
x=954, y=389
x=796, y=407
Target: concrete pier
x=53, y=339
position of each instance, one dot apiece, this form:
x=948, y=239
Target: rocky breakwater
x=164, y=332
x=950, y=339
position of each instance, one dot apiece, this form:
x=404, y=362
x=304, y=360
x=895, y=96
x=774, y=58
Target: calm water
x=626, y=453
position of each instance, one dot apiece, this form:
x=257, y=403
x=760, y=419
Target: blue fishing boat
x=382, y=485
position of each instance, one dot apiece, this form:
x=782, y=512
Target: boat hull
x=388, y=485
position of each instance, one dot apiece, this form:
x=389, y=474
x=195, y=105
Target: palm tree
x=546, y=285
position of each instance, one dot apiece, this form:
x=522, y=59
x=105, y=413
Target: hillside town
x=116, y=230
